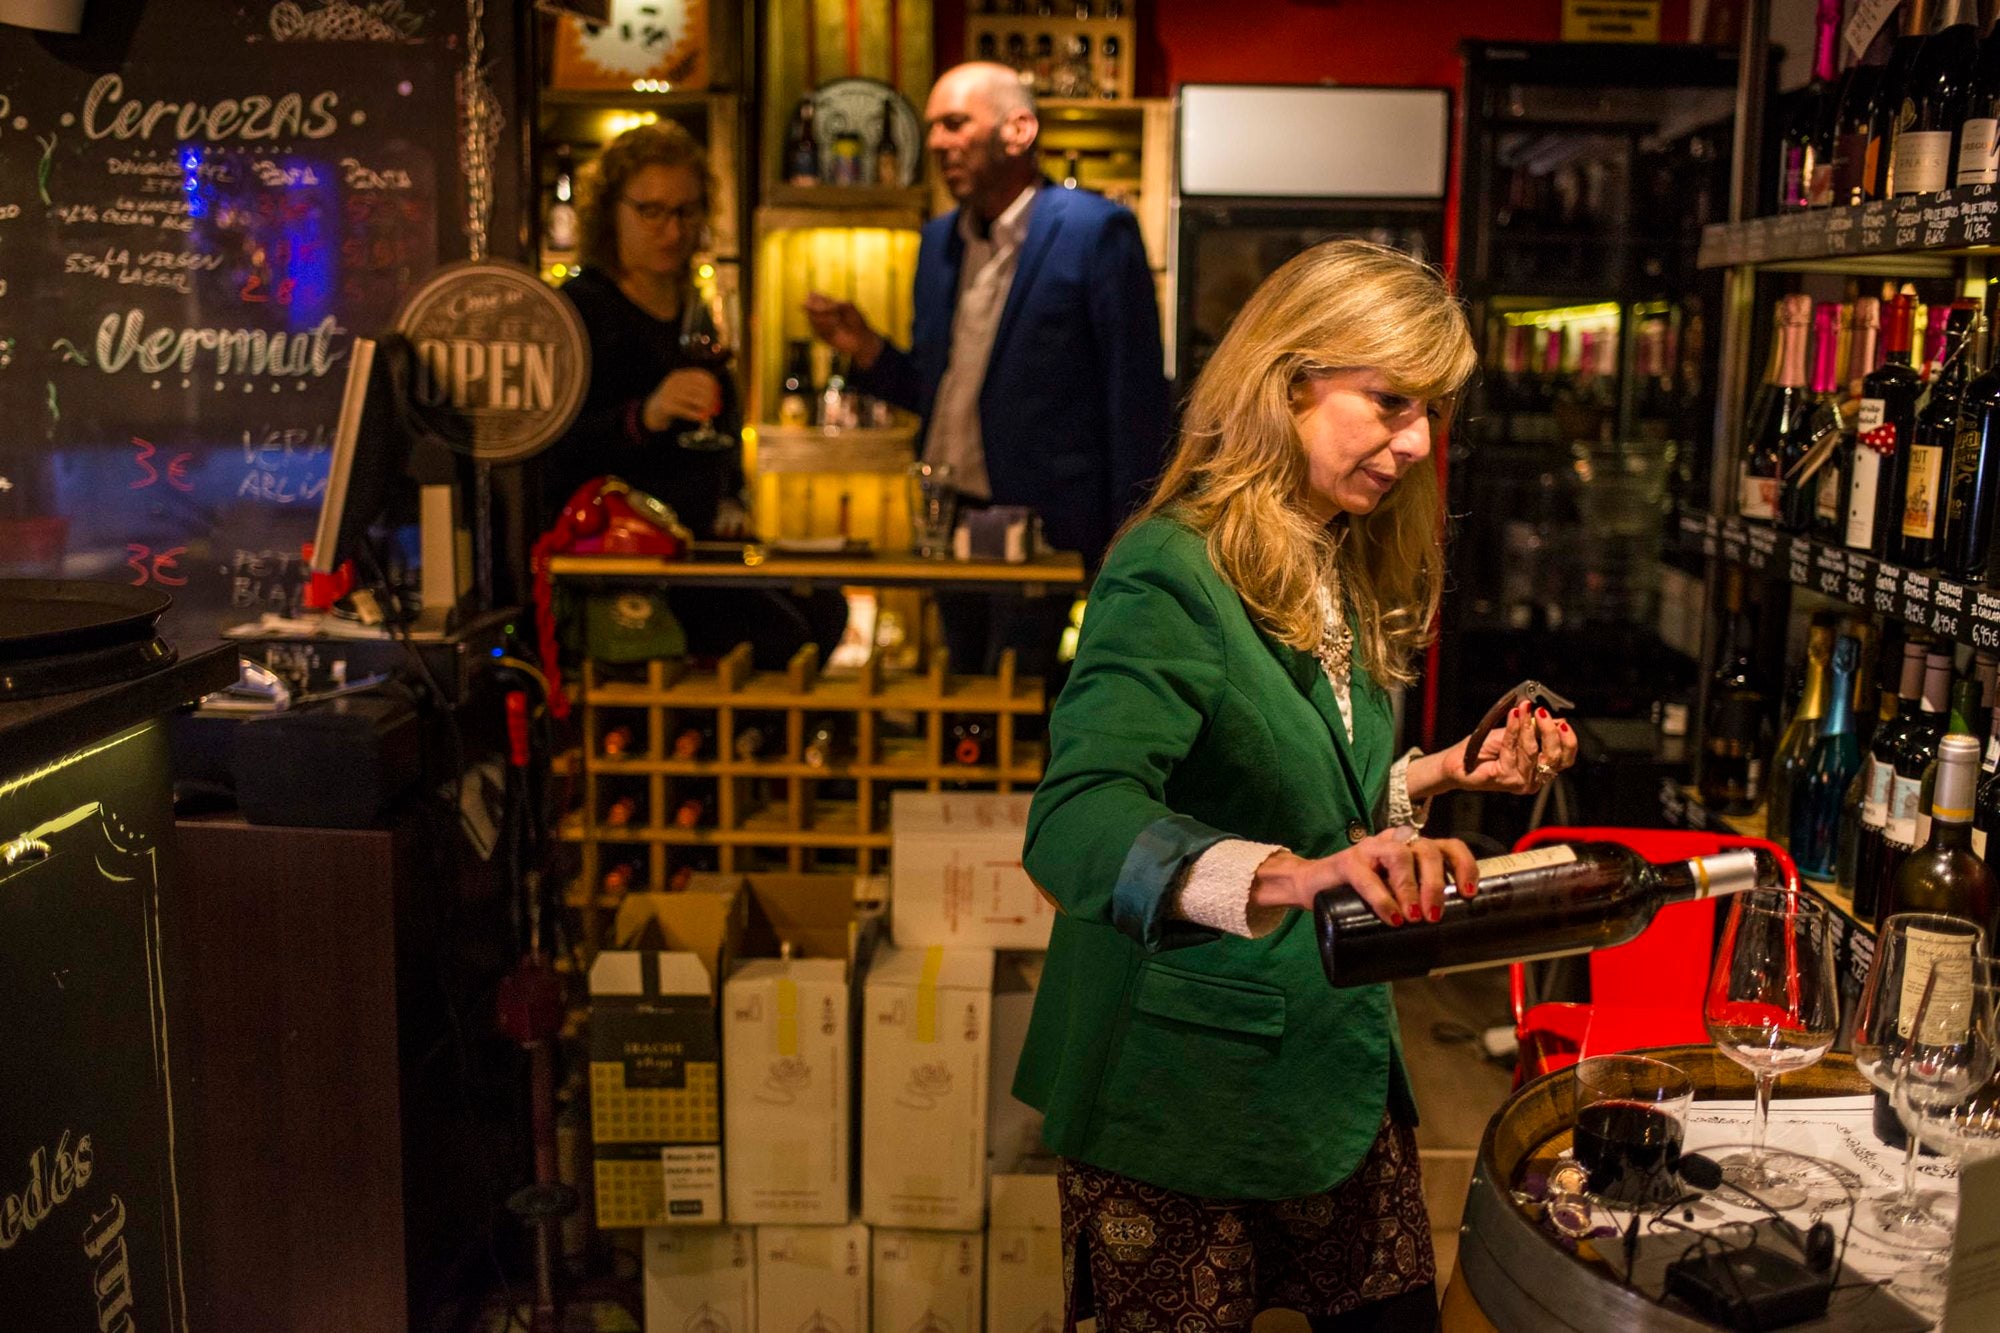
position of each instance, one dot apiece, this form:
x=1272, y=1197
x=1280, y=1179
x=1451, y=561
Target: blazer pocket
x=1211, y=1002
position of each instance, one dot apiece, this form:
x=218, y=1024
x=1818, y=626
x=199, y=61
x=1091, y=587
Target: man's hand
x=843, y=328
x=684, y=395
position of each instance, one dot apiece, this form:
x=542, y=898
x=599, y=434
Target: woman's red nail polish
x=1436, y=914
x=1541, y=712
x=1395, y=918
x=1562, y=726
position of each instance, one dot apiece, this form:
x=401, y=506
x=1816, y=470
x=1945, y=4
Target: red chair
x=1647, y=992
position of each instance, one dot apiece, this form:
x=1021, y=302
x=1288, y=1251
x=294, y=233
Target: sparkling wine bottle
x=1795, y=743
x=1805, y=150
x=1563, y=899
x=1813, y=495
x=1828, y=772
x=1883, y=429
x=1777, y=431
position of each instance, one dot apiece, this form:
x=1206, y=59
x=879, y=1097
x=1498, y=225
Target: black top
x=630, y=353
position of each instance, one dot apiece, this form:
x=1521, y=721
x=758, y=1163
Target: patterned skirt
x=1137, y=1257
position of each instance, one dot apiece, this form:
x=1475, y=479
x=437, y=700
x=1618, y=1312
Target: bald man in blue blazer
x=1034, y=355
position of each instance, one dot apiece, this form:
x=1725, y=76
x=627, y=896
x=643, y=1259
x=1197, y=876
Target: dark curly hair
x=662, y=144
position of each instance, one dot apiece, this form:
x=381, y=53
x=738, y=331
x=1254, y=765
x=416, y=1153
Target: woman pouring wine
x=1236, y=1135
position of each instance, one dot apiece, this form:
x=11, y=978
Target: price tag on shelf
x=1798, y=565
x=1838, y=239
x=1916, y=598
x=1829, y=571
x=1983, y=619
x=1860, y=572
x=1976, y=216
x=1886, y=600
x=1763, y=542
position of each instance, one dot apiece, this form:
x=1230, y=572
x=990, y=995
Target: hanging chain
x=482, y=120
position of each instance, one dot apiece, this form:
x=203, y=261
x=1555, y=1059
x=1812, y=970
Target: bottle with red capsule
x=972, y=741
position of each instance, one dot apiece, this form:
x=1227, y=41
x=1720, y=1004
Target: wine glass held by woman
x=1223, y=752
x=1910, y=949
x=1773, y=1007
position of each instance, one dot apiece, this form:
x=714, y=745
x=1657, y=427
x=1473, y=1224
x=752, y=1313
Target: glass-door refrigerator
x=1588, y=172
x=1264, y=171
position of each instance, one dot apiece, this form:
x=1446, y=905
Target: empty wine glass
x=705, y=345
x=1909, y=948
x=1946, y=1095
x=1772, y=1007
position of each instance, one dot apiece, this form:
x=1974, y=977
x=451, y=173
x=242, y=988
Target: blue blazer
x=1074, y=413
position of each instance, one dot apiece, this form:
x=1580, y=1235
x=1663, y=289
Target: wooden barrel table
x=1512, y=1276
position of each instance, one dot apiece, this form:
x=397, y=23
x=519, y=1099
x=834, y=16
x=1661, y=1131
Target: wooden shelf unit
x=773, y=810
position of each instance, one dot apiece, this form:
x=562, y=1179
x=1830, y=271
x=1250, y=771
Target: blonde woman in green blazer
x=1236, y=1135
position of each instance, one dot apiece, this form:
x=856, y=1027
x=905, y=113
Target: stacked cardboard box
x=1024, y=1277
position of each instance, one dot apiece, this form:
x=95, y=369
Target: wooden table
x=731, y=564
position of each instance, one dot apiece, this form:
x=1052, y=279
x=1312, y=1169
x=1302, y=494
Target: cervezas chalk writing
x=254, y=116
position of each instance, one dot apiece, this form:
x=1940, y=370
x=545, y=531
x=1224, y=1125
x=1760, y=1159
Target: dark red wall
x=1305, y=41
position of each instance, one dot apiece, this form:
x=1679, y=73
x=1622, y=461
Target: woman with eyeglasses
x=644, y=214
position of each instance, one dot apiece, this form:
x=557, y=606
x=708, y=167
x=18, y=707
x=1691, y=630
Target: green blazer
x=1205, y=1063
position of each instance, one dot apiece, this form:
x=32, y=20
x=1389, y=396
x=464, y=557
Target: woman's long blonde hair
x=1239, y=477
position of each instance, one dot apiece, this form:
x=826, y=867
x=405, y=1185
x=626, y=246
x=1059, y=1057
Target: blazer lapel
x=1310, y=680
x=1045, y=216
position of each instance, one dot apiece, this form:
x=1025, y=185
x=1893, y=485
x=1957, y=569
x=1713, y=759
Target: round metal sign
x=500, y=360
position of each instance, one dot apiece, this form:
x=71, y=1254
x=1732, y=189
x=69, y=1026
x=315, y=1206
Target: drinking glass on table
x=1945, y=1093
x=1913, y=950
x=1631, y=1119
x=933, y=509
x=1772, y=1007
x=705, y=343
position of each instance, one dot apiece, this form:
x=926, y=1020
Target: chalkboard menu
x=201, y=206
x=90, y=1195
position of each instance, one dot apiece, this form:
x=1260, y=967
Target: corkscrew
x=1527, y=691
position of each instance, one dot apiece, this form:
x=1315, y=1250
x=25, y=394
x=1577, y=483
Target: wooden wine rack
x=773, y=805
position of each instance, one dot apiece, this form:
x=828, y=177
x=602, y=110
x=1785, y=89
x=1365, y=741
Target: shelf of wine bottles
x=1942, y=224
x=1947, y=608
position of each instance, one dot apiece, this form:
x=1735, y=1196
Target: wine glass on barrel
x=1945, y=1092
x=705, y=345
x=1772, y=1007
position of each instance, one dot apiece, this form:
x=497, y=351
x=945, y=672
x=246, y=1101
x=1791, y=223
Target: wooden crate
x=775, y=802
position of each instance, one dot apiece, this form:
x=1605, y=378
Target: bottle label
x=1861, y=495
x=1905, y=804
x=1923, y=828
x=1920, y=496
x=1922, y=161
x=1875, y=795
x=1948, y=957
x=1826, y=505
x=1793, y=186
x=1758, y=497
x=1536, y=859
x=1850, y=158
x=1992, y=760
x=1979, y=843
x=1979, y=152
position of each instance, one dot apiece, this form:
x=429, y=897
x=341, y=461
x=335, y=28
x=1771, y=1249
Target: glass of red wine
x=705, y=345
x=1773, y=1008
x=1631, y=1119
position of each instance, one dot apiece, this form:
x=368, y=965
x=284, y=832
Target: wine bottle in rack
x=1914, y=754
x=1986, y=807
x=1791, y=414
x=1777, y=415
x=621, y=878
x=826, y=742
x=1886, y=117
x=1562, y=899
x=1879, y=770
x=694, y=742
x=693, y=812
x=1795, y=743
x=1918, y=543
x=1959, y=721
x=1735, y=738
x=1883, y=429
x=1852, y=118
x=1935, y=100
x=1828, y=771
x=1945, y=874
x=971, y=740
x=749, y=743
x=1979, y=133
x=1814, y=495
x=1861, y=332
x=616, y=743
x=1972, y=505
x=1805, y=167
x=621, y=812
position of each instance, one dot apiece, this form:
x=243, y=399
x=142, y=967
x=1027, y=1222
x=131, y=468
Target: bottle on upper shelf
x=1972, y=504
x=1795, y=743
x=1887, y=110
x=1979, y=134
x=888, y=157
x=1735, y=741
x=1936, y=99
x=1775, y=435
x=1827, y=772
x=1562, y=899
x=1945, y=874
x=1917, y=542
x=1883, y=429
x=802, y=163
x=1110, y=54
x=1805, y=140
x=1852, y=118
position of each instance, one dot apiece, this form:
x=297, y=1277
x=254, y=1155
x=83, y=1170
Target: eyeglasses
x=653, y=214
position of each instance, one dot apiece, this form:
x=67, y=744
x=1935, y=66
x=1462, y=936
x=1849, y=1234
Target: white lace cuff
x=1401, y=811
x=1216, y=892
